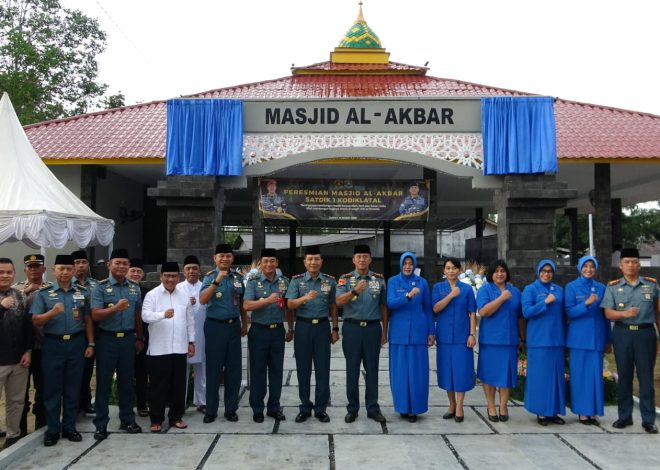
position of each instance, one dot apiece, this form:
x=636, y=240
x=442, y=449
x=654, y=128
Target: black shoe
x=10, y=441
x=448, y=415
x=302, y=417
x=233, y=417
x=51, y=439
x=3, y=433
x=594, y=422
x=557, y=420
x=258, y=417
x=542, y=421
x=322, y=416
x=504, y=418
x=412, y=418
x=202, y=409
x=276, y=415
x=350, y=417
x=586, y=421
x=377, y=416
x=131, y=428
x=88, y=409
x=209, y=418
x=493, y=418
x=622, y=423
x=650, y=428
x=73, y=436
x=100, y=434
x=459, y=419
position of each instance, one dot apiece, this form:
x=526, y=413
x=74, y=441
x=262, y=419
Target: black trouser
x=36, y=373
x=141, y=379
x=361, y=345
x=635, y=349
x=266, y=347
x=223, y=351
x=167, y=379
x=311, y=343
x=85, y=388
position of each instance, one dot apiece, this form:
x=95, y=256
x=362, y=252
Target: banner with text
x=343, y=199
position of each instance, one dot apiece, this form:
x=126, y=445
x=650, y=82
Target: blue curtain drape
x=204, y=137
x=518, y=135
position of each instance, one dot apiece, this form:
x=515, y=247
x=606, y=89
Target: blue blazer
x=502, y=326
x=411, y=321
x=587, y=326
x=545, y=323
x=453, y=323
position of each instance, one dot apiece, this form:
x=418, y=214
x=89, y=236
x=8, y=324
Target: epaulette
x=45, y=288
x=297, y=276
x=130, y=281
x=209, y=273
x=104, y=281
x=378, y=275
x=347, y=275
x=614, y=282
x=328, y=275
x=651, y=279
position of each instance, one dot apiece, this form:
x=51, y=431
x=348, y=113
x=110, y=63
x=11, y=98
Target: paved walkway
x=428, y=444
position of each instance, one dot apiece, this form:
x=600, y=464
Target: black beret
x=312, y=250
x=361, y=249
x=223, y=248
x=629, y=253
x=30, y=259
x=169, y=267
x=190, y=259
x=269, y=253
x=80, y=254
x=64, y=259
x=136, y=263
x=119, y=253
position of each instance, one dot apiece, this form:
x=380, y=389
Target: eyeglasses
x=547, y=271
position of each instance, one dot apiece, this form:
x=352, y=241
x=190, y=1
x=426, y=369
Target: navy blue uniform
x=88, y=369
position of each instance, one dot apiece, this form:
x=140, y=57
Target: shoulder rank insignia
x=297, y=276
x=209, y=273
x=328, y=275
x=651, y=279
x=378, y=275
x=614, y=282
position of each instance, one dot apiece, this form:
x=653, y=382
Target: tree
x=640, y=226
x=114, y=101
x=48, y=59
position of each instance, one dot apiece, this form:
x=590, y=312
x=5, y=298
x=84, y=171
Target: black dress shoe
x=131, y=428
x=202, y=409
x=73, y=436
x=100, y=434
x=51, y=439
x=350, y=417
x=377, y=416
x=276, y=415
x=302, y=417
x=650, y=428
x=209, y=419
x=88, y=409
x=493, y=418
x=459, y=419
x=448, y=415
x=10, y=441
x=233, y=417
x=322, y=416
x=258, y=417
x=586, y=421
x=557, y=420
x=412, y=418
x=542, y=421
x=504, y=418
x=3, y=433
x=622, y=423
x=594, y=422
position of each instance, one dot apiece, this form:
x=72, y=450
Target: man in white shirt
x=192, y=286
x=168, y=311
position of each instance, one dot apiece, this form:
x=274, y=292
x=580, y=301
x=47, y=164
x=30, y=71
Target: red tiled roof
x=584, y=131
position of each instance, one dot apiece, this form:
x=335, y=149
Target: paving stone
x=432, y=422
x=612, y=451
x=55, y=457
x=362, y=425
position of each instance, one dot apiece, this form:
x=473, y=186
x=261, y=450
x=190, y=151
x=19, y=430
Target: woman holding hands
x=456, y=324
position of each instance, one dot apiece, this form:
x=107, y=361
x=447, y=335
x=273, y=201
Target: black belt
x=360, y=322
x=63, y=337
x=271, y=326
x=313, y=321
x=227, y=320
x=641, y=326
x=116, y=334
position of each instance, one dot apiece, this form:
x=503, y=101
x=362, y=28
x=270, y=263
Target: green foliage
x=114, y=101
x=48, y=59
x=563, y=232
x=640, y=226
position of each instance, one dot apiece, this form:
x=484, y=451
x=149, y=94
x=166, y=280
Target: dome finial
x=360, y=18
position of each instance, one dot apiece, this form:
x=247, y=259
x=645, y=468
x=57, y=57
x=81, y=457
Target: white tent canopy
x=35, y=207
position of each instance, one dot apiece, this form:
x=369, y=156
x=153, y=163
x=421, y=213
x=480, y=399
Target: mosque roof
x=360, y=35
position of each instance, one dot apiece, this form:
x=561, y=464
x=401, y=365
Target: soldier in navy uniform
x=312, y=296
x=632, y=302
x=116, y=306
x=413, y=203
x=226, y=322
x=63, y=311
x=81, y=277
x=136, y=274
x=362, y=295
x=271, y=201
x=265, y=298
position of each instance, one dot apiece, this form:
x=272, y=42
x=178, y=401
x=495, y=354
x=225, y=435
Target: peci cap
x=223, y=248
x=312, y=250
x=629, y=253
x=33, y=259
x=190, y=259
x=361, y=249
x=119, y=253
x=169, y=267
x=80, y=254
x=269, y=253
x=64, y=259
x=136, y=263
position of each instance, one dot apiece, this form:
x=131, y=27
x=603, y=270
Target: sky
x=601, y=52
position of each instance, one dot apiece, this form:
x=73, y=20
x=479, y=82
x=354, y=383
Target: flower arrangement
x=474, y=275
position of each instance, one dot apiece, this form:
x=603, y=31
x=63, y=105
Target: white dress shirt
x=168, y=335
x=199, y=312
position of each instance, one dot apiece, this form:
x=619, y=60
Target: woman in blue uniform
x=542, y=306
x=411, y=332
x=500, y=328
x=456, y=324
x=588, y=336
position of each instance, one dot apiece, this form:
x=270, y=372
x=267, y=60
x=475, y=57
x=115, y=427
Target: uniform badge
x=109, y=290
x=621, y=305
x=341, y=282
x=218, y=295
x=647, y=296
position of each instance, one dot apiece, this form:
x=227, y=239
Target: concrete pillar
x=479, y=222
x=572, y=214
x=293, y=224
x=526, y=207
x=258, y=226
x=387, y=251
x=603, y=215
x=194, y=215
x=431, y=270
x=617, y=233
